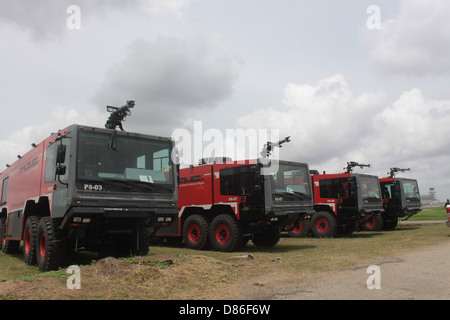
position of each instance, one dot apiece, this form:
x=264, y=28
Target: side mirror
x=61, y=154
x=60, y=170
x=60, y=159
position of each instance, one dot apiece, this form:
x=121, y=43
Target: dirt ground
x=420, y=274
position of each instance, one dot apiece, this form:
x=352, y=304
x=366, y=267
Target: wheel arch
x=40, y=208
x=189, y=211
x=208, y=213
x=324, y=207
x=37, y=209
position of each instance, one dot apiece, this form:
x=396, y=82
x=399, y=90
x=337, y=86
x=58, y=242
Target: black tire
x=135, y=244
x=390, y=225
x=51, y=249
x=2, y=231
x=10, y=246
x=348, y=229
x=7, y=246
x=375, y=223
x=29, y=240
x=323, y=224
x=301, y=231
x=268, y=238
x=173, y=241
x=226, y=234
x=140, y=248
x=196, y=232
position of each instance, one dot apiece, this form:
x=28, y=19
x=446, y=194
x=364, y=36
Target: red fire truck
x=73, y=191
x=223, y=204
x=343, y=201
x=401, y=198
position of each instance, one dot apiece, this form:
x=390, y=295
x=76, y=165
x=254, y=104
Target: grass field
x=433, y=213
x=174, y=273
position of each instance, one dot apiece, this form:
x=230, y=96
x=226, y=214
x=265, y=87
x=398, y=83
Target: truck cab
x=401, y=198
x=342, y=201
x=89, y=188
x=224, y=204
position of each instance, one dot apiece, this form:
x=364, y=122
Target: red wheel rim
x=298, y=229
x=42, y=245
x=371, y=222
x=194, y=232
x=222, y=233
x=27, y=241
x=322, y=225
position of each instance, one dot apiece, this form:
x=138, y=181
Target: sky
x=347, y=80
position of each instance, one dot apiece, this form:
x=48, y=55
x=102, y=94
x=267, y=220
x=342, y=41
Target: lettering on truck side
x=93, y=187
x=29, y=165
x=196, y=178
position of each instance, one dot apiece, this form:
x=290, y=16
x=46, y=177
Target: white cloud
x=170, y=79
x=419, y=126
x=416, y=42
x=323, y=119
x=46, y=19
x=330, y=125
x=19, y=141
x=168, y=6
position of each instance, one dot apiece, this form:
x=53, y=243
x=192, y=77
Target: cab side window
x=50, y=165
x=50, y=162
x=4, y=191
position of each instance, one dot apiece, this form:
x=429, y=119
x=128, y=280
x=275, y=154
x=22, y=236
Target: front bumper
x=153, y=217
x=287, y=217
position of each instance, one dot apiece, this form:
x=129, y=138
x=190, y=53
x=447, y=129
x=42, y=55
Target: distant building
x=429, y=200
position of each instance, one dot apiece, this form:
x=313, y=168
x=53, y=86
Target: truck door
x=57, y=184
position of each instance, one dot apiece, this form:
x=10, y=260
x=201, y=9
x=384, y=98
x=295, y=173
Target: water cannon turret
x=118, y=115
x=394, y=170
x=352, y=164
x=268, y=147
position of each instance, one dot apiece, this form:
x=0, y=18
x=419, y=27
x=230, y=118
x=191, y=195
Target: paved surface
x=421, y=275
x=421, y=222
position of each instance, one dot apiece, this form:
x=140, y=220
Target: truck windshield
x=411, y=189
x=370, y=187
x=290, y=183
x=139, y=165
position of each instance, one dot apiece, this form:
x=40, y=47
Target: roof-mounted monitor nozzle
x=352, y=164
x=394, y=170
x=268, y=147
x=118, y=115
x=115, y=120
